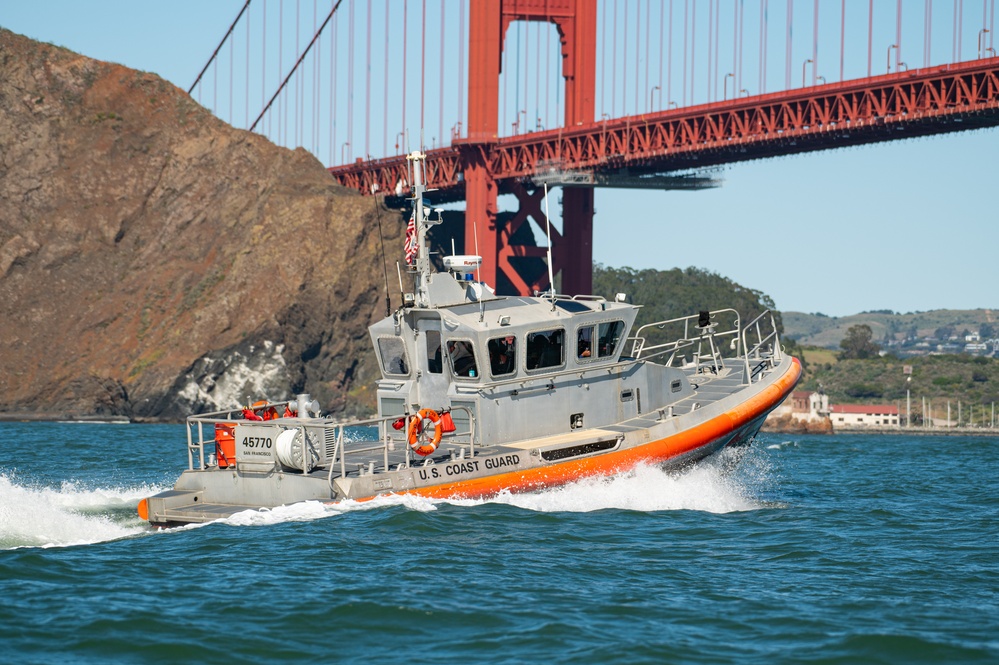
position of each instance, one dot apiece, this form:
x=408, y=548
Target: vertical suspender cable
x=423, y=68
x=603, y=59
x=405, y=59
x=461, y=64
x=669, y=63
x=614, y=64
x=992, y=25
x=516, y=87
x=232, y=59
x=870, y=34
x=350, y=77
x=686, y=17
x=717, y=43
x=711, y=47
x=440, y=100
x=283, y=116
x=766, y=39
x=662, y=37
x=927, y=18
x=298, y=79
x=815, y=44
x=898, y=33
x=367, y=93
x=319, y=83
x=693, y=43
x=960, y=27
x=735, y=48
x=506, y=80
x=527, y=54
x=333, y=68
x=263, y=61
x=763, y=46
x=548, y=70
x=624, y=54
x=638, y=53
x=247, y=68
x=842, y=37
x=537, y=81
x=741, y=13
x=953, y=50
x=787, y=45
x=385, y=99
x=648, y=22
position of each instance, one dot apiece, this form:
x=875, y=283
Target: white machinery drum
x=290, y=446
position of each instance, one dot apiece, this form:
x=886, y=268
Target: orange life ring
x=416, y=428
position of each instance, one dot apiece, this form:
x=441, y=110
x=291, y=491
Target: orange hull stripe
x=611, y=463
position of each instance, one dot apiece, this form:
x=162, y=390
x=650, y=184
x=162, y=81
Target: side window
x=545, y=349
x=598, y=341
x=393, y=353
x=502, y=355
x=462, y=358
x=609, y=334
x=584, y=342
x=435, y=364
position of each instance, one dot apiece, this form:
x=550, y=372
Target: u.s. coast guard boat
x=482, y=394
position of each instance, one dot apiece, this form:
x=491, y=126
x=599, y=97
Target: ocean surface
x=799, y=549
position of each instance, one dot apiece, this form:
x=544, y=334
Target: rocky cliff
x=155, y=260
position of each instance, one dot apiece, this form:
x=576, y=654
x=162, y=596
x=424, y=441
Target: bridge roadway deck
x=909, y=104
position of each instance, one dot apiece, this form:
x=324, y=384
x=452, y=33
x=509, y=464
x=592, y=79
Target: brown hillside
x=154, y=259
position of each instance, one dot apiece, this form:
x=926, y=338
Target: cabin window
x=607, y=337
x=393, y=353
x=584, y=342
x=435, y=364
x=462, y=356
x=502, y=355
x=545, y=349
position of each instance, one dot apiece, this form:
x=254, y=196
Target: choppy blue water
x=810, y=549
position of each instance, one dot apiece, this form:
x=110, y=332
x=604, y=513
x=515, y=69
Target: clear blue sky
x=908, y=226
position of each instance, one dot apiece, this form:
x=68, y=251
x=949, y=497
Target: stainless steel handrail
x=761, y=340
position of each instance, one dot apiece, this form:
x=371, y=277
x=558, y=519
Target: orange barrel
x=225, y=445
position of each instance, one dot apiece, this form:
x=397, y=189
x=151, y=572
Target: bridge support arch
x=576, y=22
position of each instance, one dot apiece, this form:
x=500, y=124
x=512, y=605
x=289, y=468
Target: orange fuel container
x=225, y=445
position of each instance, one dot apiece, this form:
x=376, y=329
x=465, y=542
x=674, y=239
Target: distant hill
x=826, y=331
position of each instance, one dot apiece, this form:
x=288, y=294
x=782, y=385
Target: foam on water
x=728, y=482
x=37, y=516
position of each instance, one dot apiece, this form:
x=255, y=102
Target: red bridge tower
x=576, y=21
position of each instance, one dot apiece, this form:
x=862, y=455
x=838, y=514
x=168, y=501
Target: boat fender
x=416, y=428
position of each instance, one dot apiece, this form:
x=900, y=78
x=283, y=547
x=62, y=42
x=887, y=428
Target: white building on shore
x=864, y=415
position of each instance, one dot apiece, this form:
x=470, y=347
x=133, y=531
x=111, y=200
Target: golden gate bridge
x=515, y=87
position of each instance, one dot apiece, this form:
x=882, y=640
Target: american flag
x=411, y=240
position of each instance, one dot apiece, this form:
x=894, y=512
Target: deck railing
x=766, y=346
x=345, y=444
x=684, y=333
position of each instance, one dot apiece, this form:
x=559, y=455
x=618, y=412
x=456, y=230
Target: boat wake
x=732, y=481
x=39, y=516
